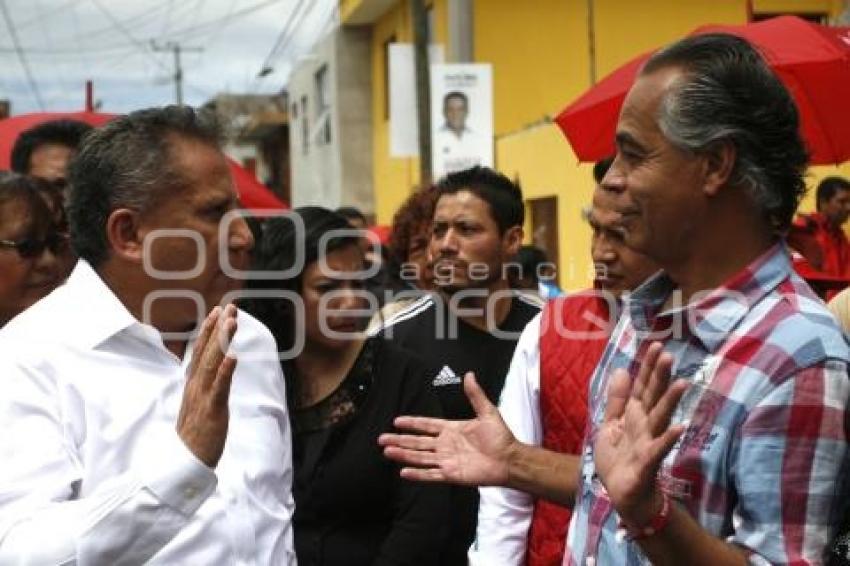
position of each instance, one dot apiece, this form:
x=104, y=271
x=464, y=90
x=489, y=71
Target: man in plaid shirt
x=741, y=458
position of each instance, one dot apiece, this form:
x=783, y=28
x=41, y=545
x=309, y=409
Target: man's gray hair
x=128, y=164
x=728, y=94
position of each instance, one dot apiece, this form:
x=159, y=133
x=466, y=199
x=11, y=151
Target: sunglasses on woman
x=30, y=248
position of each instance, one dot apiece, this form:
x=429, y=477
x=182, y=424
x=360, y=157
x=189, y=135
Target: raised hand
x=204, y=414
x=636, y=435
x=473, y=452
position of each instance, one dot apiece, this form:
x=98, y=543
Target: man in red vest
x=830, y=249
x=544, y=401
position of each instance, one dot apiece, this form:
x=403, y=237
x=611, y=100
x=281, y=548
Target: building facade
x=257, y=136
x=544, y=53
x=330, y=108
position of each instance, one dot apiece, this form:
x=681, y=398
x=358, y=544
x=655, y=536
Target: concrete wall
x=353, y=118
x=315, y=167
x=336, y=173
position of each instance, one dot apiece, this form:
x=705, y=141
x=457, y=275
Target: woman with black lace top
x=344, y=390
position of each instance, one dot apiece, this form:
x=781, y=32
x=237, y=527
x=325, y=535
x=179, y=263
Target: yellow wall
x=346, y=7
x=539, y=55
x=541, y=158
x=831, y=7
x=394, y=178
x=624, y=31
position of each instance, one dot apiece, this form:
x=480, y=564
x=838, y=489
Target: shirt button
x=191, y=492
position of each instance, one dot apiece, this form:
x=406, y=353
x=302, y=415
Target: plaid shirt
x=760, y=460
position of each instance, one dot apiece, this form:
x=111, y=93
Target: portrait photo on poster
x=461, y=117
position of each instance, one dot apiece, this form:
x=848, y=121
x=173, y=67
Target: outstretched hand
x=475, y=452
x=636, y=435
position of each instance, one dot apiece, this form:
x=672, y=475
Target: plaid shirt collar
x=715, y=313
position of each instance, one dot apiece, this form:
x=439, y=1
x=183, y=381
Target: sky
x=49, y=48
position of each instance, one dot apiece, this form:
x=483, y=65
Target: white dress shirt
x=454, y=152
x=93, y=471
x=504, y=515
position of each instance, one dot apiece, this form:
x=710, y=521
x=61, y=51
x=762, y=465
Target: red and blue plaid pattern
x=762, y=461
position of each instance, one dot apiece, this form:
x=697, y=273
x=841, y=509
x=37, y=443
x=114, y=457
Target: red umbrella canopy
x=252, y=193
x=813, y=62
x=11, y=128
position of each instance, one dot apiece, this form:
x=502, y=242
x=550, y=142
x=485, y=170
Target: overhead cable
x=23, y=59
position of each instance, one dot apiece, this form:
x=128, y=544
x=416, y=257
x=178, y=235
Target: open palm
x=471, y=452
x=636, y=433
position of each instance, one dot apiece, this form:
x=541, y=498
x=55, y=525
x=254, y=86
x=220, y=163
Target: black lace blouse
x=351, y=506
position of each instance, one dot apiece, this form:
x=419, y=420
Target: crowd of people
x=185, y=384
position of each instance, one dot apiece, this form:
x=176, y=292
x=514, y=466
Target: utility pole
x=423, y=87
x=176, y=48
x=591, y=40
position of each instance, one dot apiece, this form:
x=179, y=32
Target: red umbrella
x=813, y=62
x=252, y=193
x=11, y=128
x=381, y=232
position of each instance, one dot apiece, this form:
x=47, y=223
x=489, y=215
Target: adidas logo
x=446, y=377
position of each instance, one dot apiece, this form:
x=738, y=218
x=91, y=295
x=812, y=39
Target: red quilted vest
x=566, y=366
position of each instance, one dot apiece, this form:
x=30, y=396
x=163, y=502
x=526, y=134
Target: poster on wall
x=404, y=127
x=461, y=117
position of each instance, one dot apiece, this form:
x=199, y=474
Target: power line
x=167, y=23
x=184, y=33
x=191, y=31
x=42, y=52
x=288, y=28
x=76, y=21
x=39, y=19
x=60, y=67
x=141, y=46
x=14, y=34
x=135, y=21
x=291, y=37
x=216, y=33
x=176, y=48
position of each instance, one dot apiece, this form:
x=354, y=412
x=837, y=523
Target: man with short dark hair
x=45, y=150
x=455, y=112
x=129, y=434
x=824, y=227
x=473, y=321
x=742, y=458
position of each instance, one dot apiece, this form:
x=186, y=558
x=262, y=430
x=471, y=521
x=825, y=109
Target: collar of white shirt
x=84, y=313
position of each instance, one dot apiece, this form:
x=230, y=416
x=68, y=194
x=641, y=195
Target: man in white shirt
x=456, y=146
x=126, y=438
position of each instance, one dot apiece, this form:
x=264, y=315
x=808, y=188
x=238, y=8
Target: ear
x=123, y=233
x=512, y=241
x=719, y=161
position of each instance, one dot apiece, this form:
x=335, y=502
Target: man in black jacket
x=473, y=321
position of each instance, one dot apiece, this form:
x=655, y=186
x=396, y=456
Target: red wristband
x=654, y=526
